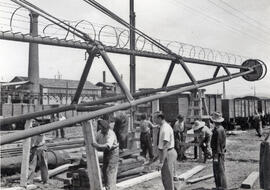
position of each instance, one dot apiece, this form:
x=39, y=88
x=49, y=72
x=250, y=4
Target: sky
x=234, y=26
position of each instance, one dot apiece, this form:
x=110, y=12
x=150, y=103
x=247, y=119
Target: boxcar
x=239, y=111
x=178, y=104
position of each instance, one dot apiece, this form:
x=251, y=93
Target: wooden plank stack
x=130, y=164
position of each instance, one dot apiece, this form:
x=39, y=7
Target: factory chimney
x=33, y=62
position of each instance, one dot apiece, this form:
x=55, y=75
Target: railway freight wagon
x=239, y=111
x=178, y=104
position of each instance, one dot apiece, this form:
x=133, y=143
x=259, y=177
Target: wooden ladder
x=197, y=109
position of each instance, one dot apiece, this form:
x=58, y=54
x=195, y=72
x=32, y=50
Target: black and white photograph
x=134, y=94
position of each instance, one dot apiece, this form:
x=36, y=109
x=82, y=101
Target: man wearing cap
x=218, y=145
x=106, y=141
x=203, y=138
x=38, y=156
x=179, y=137
x=167, y=153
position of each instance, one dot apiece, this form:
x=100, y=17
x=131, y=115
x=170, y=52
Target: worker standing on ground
x=203, y=138
x=167, y=153
x=38, y=156
x=62, y=131
x=121, y=129
x=145, y=137
x=107, y=142
x=179, y=136
x=218, y=145
x=257, y=122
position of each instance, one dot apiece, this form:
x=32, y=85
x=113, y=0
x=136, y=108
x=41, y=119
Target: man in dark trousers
x=179, y=137
x=107, y=142
x=218, y=145
x=145, y=137
x=38, y=156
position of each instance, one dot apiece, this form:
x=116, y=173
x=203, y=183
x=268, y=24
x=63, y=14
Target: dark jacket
x=218, y=141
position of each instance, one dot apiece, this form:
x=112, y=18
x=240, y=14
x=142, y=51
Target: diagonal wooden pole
x=25, y=156
x=93, y=168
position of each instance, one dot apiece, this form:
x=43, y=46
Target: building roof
x=57, y=83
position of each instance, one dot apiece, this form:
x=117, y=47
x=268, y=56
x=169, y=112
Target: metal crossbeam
x=84, y=117
x=84, y=45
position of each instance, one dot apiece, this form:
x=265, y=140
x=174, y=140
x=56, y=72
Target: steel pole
x=84, y=76
x=168, y=75
x=115, y=74
x=132, y=64
x=84, y=117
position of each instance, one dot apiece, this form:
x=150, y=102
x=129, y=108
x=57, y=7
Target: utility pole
x=132, y=47
x=132, y=64
x=33, y=62
x=224, y=90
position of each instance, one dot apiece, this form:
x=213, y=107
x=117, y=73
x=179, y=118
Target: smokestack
x=33, y=62
x=104, y=76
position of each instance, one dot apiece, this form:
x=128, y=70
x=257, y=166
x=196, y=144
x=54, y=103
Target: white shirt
x=179, y=127
x=166, y=134
x=109, y=139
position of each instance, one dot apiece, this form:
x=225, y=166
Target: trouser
x=180, y=149
x=62, y=133
x=168, y=170
x=109, y=168
x=219, y=171
x=146, y=145
x=38, y=158
x=258, y=127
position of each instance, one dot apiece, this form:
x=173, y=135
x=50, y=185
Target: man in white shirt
x=107, y=142
x=167, y=153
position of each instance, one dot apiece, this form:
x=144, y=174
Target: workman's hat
x=104, y=123
x=197, y=125
x=180, y=117
x=216, y=117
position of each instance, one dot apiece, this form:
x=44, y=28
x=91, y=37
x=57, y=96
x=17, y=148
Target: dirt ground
x=242, y=158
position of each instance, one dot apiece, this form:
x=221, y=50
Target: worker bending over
x=203, y=138
x=106, y=141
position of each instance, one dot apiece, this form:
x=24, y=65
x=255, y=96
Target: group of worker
x=108, y=142
x=171, y=145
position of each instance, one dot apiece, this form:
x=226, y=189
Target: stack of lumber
x=130, y=164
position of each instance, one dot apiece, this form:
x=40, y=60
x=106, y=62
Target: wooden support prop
x=250, y=180
x=137, y=180
x=93, y=169
x=190, y=173
x=56, y=171
x=25, y=156
x=28, y=187
x=191, y=181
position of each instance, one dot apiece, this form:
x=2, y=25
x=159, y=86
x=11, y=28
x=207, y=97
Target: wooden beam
x=191, y=181
x=137, y=180
x=25, y=156
x=28, y=187
x=190, y=173
x=93, y=169
x=250, y=180
x=56, y=171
